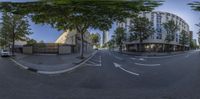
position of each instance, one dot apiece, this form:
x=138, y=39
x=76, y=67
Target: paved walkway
x=49, y=63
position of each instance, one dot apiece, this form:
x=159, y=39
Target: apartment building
x=156, y=41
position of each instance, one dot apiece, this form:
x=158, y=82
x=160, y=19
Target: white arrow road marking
x=119, y=66
x=147, y=64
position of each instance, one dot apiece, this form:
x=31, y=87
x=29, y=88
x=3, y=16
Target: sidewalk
x=151, y=54
x=50, y=64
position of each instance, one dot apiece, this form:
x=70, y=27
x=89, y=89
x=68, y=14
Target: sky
x=178, y=7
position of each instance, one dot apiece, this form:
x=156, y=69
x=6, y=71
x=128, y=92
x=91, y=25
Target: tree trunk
x=82, y=47
x=120, y=48
x=163, y=47
x=13, y=45
x=140, y=46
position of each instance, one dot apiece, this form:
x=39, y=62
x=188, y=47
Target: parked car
x=5, y=52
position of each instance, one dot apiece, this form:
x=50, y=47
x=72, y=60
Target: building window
x=176, y=37
x=159, y=36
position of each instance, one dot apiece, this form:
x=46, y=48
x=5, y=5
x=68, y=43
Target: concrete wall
x=28, y=50
x=65, y=50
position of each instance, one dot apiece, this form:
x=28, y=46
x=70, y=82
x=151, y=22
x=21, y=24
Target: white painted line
x=141, y=59
x=133, y=58
x=100, y=61
x=91, y=62
x=22, y=66
x=66, y=70
x=119, y=66
x=147, y=64
x=93, y=65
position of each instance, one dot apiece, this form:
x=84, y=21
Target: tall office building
x=105, y=38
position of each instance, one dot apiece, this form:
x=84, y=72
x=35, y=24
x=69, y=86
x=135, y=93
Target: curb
x=152, y=55
x=54, y=72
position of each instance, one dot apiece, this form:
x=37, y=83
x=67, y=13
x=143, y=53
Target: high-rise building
x=194, y=41
x=105, y=38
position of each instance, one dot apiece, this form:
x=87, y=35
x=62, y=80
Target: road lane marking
x=147, y=64
x=100, y=61
x=141, y=59
x=119, y=66
x=133, y=58
x=94, y=63
x=91, y=62
x=18, y=63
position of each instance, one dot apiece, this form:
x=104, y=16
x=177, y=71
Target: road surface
x=108, y=75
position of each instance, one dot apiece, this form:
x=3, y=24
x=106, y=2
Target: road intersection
x=108, y=75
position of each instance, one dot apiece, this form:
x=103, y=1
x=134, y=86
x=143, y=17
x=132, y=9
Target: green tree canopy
x=95, y=38
x=195, y=5
x=31, y=42
x=171, y=28
x=80, y=14
x=198, y=25
x=140, y=29
x=120, y=37
x=14, y=27
x=184, y=38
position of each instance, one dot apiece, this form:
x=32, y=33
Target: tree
x=80, y=14
x=111, y=43
x=3, y=38
x=171, y=28
x=195, y=5
x=14, y=27
x=31, y=42
x=198, y=25
x=95, y=38
x=141, y=29
x=199, y=37
x=184, y=38
x=120, y=36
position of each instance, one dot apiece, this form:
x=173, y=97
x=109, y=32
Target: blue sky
x=178, y=7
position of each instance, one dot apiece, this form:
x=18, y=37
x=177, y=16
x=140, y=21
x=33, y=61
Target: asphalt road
x=108, y=75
